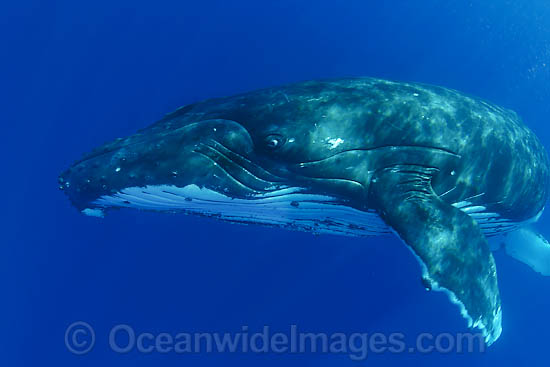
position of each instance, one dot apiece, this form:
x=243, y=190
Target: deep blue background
x=76, y=74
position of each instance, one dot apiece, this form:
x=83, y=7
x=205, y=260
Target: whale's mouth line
x=256, y=179
x=240, y=170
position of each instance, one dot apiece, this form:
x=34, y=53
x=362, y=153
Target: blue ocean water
x=77, y=74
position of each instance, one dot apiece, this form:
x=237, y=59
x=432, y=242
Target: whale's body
x=442, y=170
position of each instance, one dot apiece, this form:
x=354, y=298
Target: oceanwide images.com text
x=80, y=339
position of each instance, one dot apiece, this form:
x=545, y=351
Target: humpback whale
x=444, y=171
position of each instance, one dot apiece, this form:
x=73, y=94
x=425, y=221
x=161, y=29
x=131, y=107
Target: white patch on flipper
x=530, y=248
x=489, y=339
x=477, y=324
x=288, y=207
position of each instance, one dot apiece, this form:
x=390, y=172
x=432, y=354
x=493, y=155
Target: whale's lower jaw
x=288, y=208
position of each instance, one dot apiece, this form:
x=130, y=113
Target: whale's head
x=249, y=171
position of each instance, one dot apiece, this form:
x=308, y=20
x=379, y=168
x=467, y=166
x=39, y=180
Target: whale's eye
x=273, y=141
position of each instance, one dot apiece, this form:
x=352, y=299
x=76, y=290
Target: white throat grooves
x=288, y=207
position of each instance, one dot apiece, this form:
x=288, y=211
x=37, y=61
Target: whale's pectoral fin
x=453, y=251
x=529, y=247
